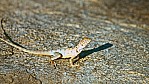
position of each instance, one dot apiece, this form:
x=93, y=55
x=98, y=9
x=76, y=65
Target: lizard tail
x=26, y=50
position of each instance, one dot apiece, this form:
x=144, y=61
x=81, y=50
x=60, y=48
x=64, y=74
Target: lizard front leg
x=71, y=61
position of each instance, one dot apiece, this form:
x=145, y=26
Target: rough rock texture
x=118, y=53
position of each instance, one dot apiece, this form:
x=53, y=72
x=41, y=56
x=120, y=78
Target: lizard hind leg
x=56, y=56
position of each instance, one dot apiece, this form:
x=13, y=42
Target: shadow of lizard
x=88, y=52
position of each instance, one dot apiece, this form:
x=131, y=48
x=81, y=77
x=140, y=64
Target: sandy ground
x=118, y=52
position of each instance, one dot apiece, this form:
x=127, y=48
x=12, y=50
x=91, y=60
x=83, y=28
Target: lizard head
x=82, y=44
x=85, y=41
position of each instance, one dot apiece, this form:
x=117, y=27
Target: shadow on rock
x=88, y=52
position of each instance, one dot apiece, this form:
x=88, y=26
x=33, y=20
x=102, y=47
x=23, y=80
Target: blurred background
x=127, y=11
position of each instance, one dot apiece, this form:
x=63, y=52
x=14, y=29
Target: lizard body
x=60, y=53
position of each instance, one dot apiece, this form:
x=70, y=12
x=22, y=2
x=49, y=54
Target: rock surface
x=118, y=53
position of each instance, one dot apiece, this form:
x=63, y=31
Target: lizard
x=59, y=53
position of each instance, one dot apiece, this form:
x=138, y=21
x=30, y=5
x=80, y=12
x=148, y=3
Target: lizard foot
x=53, y=63
x=76, y=65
